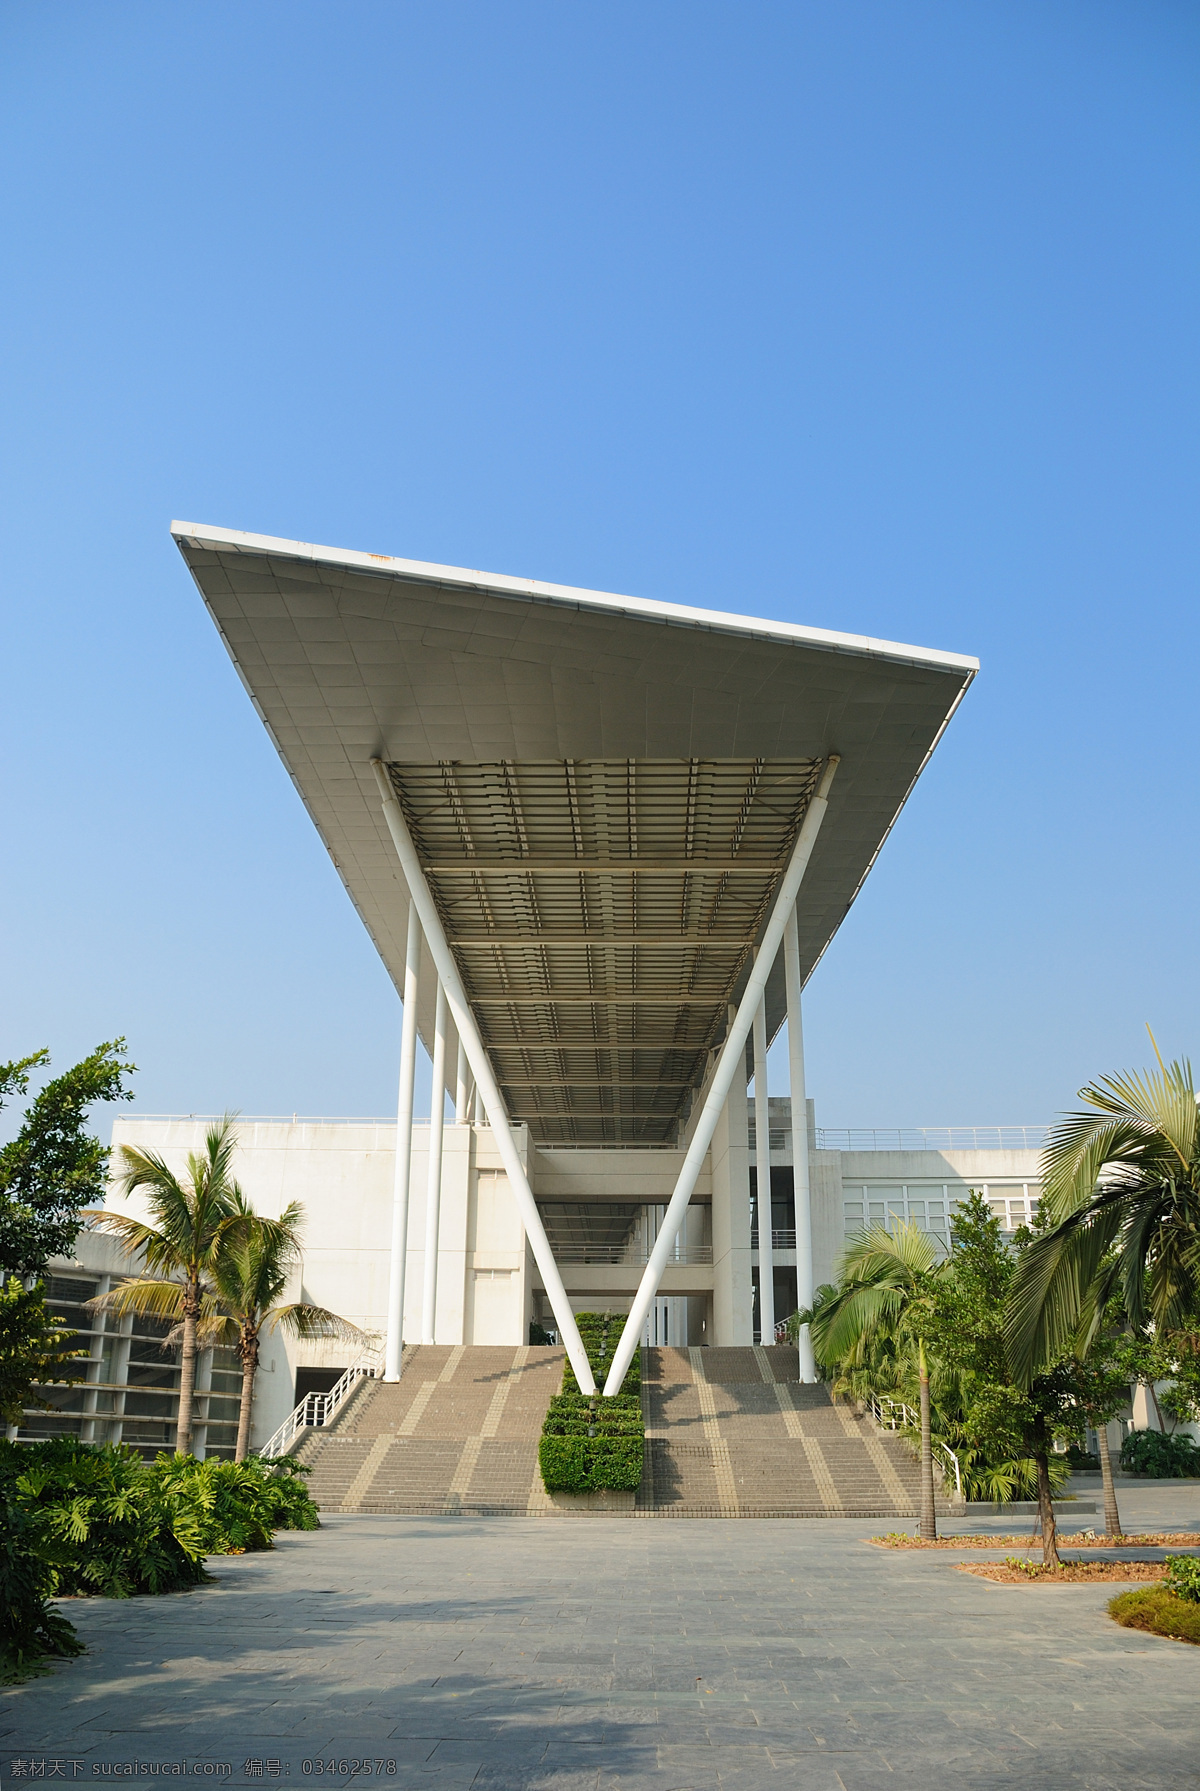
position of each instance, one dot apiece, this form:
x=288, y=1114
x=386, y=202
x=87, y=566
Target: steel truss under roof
x=603, y=794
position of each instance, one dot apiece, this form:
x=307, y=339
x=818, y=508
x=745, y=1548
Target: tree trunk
x=187, y=1369
x=248, y=1344
x=928, y=1513
x=1046, y=1510
x=1112, y=1517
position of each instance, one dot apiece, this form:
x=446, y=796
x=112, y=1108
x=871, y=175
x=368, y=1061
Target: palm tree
x=179, y=1248
x=254, y=1259
x=886, y=1284
x=1121, y=1192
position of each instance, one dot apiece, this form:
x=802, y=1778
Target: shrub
x=29, y=1629
x=1158, y=1610
x=1183, y=1577
x=233, y=1507
x=1162, y=1457
x=590, y=1444
x=103, y=1521
x=99, y=1522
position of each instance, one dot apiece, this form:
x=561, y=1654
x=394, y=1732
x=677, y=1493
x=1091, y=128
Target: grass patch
x=1159, y=1611
x=589, y=1443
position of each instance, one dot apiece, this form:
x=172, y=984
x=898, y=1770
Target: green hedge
x=593, y=1444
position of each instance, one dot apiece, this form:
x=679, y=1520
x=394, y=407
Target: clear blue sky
x=874, y=317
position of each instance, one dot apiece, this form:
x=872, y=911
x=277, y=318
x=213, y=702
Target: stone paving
x=506, y=1653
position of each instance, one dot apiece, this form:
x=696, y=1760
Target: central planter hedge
x=594, y=1444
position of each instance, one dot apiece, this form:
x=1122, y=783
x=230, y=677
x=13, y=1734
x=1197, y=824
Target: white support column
x=402, y=1175
x=732, y=1059
x=762, y=1172
x=462, y=1086
x=433, y=1189
x=485, y=1081
x=800, y=1176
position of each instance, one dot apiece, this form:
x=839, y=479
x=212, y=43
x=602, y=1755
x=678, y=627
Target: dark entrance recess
x=316, y=1380
x=783, y=1226
x=783, y=1205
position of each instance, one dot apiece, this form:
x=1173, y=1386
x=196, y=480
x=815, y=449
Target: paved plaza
x=580, y=1653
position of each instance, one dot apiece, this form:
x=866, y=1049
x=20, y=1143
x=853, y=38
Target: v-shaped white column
x=732, y=1059
x=762, y=1182
x=433, y=1185
x=485, y=1082
x=402, y=1174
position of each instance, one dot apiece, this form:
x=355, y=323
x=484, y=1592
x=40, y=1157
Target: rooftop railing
x=842, y=1138
x=936, y=1138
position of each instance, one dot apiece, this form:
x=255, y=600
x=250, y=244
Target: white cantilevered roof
x=603, y=792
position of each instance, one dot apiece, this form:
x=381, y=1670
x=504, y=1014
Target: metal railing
x=782, y=1237
x=936, y=1138
x=894, y=1414
x=318, y=1409
x=690, y=1255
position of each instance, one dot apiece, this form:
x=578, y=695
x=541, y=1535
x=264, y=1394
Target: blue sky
x=871, y=317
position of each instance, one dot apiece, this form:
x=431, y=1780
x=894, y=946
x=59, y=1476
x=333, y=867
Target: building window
x=931, y=1205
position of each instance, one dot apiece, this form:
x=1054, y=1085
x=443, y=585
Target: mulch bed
x=1070, y=1572
x=1151, y=1539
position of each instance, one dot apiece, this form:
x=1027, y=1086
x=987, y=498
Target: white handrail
x=884, y=1413
x=318, y=1409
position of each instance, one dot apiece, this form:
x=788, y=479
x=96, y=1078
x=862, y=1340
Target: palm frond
x=877, y=1251
x=148, y=1296
x=305, y=1321
x=1165, y=1100
x=1081, y=1146
x=1050, y=1288
x=853, y=1319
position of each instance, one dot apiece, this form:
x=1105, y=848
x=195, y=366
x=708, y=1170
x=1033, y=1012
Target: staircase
x=457, y=1436
x=733, y=1433
x=729, y=1433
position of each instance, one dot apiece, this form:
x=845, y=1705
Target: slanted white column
x=733, y=1281
x=485, y=1080
x=402, y=1174
x=800, y=1182
x=433, y=1189
x=462, y=1086
x=762, y=1160
x=731, y=1060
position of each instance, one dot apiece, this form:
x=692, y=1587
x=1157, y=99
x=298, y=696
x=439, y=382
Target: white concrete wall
x=342, y=1174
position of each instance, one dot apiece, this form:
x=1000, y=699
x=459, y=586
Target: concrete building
x=601, y=1211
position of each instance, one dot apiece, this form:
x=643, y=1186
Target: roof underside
x=603, y=795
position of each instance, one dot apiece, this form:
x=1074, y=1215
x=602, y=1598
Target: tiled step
x=730, y=1433
x=458, y=1434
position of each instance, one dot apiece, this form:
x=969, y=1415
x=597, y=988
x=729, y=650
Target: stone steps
x=729, y=1433
x=457, y=1436
x=732, y=1433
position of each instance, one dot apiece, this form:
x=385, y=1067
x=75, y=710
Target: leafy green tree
x=1005, y=1419
x=1121, y=1195
x=887, y=1288
x=48, y=1174
x=254, y=1261
x=53, y=1168
x=35, y=1349
x=179, y=1248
